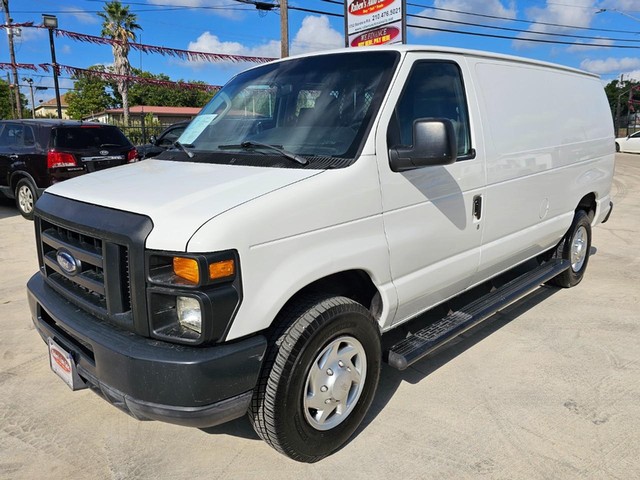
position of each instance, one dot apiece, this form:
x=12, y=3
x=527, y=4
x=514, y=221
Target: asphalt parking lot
x=548, y=389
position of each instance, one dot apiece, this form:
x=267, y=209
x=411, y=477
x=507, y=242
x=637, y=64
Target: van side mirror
x=434, y=143
x=153, y=139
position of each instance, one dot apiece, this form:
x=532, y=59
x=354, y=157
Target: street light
x=33, y=102
x=51, y=23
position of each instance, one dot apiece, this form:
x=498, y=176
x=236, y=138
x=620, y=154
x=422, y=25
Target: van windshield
x=317, y=109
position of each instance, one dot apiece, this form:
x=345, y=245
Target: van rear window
x=88, y=137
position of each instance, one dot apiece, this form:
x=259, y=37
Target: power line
x=507, y=19
x=536, y=40
x=518, y=30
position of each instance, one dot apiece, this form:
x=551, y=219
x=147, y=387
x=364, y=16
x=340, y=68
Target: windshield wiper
x=248, y=145
x=183, y=148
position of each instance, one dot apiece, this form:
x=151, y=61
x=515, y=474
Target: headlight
x=189, y=313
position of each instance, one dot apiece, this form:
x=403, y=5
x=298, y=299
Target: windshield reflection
x=319, y=106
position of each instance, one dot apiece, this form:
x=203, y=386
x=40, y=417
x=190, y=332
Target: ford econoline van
x=316, y=204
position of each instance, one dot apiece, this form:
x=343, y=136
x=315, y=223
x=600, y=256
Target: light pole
x=51, y=23
x=33, y=102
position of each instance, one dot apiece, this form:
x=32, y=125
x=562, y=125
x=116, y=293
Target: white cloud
x=634, y=75
x=630, y=5
x=208, y=42
x=611, y=65
x=587, y=48
x=494, y=8
x=30, y=34
x=316, y=34
x=574, y=13
x=83, y=16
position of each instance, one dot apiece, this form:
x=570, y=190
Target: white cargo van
x=315, y=204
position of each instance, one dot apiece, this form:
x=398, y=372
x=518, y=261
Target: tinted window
x=16, y=135
x=171, y=136
x=434, y=90
x=88, y=137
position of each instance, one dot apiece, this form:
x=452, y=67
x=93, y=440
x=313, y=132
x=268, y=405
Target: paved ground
x=550, y=389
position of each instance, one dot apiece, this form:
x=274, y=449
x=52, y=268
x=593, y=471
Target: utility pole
x=11, y=99
x=618, y=107
x=33, y=102
x=284, y=29
x=12, y=55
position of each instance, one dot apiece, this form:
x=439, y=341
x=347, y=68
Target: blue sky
x=228, y=26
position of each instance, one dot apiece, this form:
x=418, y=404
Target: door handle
x=477, y=207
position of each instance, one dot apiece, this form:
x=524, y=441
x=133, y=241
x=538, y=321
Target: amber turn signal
x=223, y=269
x=186, y=268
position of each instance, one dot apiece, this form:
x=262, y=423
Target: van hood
x=177, y=196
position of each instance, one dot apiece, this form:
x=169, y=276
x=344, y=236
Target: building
x=49, y=109
x=151, y=114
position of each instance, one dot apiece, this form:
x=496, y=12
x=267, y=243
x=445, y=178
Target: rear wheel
x=319, y=378
x=26, y=196
x=575, y=248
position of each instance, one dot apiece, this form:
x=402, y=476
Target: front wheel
x=319, y=378
x=575, y=248
x=26, y=196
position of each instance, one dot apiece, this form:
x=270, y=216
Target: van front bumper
x=150, y=379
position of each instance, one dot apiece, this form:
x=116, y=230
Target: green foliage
x=118, y=23
x=170, y=96
x=89, y=95
x=6, y=95
x=92, y=95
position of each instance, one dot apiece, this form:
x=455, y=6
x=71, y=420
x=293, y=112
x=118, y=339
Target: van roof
x=451, y=50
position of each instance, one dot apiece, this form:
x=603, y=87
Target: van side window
x=434, y=90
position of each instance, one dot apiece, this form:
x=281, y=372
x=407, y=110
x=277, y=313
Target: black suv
x=166, y=140
x=35, y=154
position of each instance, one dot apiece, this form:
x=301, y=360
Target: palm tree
x=120, y=25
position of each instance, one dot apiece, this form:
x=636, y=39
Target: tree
x=6, y=97
x=169, y=96
x=89, y=95
x=5, y=100
x=119, y=24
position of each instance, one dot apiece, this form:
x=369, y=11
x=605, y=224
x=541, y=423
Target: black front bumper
x=150, y=379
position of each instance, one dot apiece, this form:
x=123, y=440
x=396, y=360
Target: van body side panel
x=325, y=224
x=434, y=240
x=549, y=143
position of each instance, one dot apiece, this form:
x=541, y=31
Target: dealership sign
x=374, y=22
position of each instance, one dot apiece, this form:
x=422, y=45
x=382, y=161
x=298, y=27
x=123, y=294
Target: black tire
x=26, y=196
x=617, y=147
x=575, y=247
x=282, y=410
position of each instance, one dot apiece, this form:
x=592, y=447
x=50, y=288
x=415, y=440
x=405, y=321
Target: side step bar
x=424, y=341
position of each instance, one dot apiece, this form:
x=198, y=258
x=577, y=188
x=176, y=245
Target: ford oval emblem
x=68, y=263
x=104, y=152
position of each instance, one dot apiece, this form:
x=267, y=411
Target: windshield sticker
x=196, y=127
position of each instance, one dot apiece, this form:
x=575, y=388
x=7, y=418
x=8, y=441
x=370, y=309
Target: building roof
x=53, y=103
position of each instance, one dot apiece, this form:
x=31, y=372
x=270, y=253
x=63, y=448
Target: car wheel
x=319, y=377
x=26, y=196
x=617, y=147
x=575, y=248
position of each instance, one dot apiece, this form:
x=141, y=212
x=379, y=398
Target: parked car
x=35, y=154
x=166, y=140
x=629, y=144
